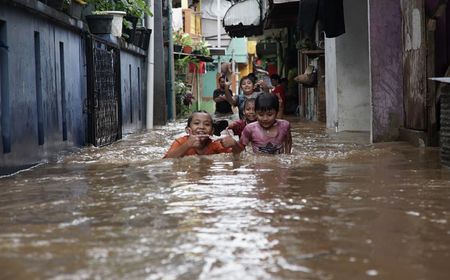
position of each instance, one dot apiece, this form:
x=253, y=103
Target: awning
x=329, y=12
x=283, y=13
x=244, y=19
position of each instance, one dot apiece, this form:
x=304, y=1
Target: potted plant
x=135, y=9
x=76, y=7
x=184, y=98
x=201, y=47
x=177, y=40
x=105, y=18
x=186, y=42
x=56, y=4
x=142, y=37
x=182, y=39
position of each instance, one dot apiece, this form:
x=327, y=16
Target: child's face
x=266, y=118
x=274, y=82
x=249, y=112
x=247, y=86
x=201, y=124
x=222, y=83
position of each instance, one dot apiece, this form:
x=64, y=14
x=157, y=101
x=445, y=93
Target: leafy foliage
x=137, y=8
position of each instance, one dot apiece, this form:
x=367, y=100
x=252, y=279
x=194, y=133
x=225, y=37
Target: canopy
x=244, y=19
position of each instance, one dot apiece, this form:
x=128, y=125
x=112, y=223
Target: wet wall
x=42, y=106
x=347, y=71
x=352, y=68
x=385, y=35
x=133, y=93
x=43, y=85
x=442, y=36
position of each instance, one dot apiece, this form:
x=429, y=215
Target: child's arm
x=228, y=141
x=179, y=149
x=229, y=96
x=280, y=105
x=217, y=97
x=232, y=125
x=288, y=143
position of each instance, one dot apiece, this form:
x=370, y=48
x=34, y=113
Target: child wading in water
x=247, y=86
x=249, y=89
x=198, y=142
x=268, y=135
x=249, y=116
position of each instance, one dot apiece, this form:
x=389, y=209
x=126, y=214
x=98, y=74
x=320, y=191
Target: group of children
x=259, y=124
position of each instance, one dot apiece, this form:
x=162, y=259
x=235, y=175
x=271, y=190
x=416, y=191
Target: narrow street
x=337, y=208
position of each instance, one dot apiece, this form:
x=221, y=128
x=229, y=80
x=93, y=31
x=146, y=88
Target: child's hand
x=196, y=140
x=263, y=85
x=228, y=140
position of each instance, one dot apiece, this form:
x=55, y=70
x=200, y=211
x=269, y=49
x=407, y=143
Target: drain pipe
x=171, y=110
x=150, y=62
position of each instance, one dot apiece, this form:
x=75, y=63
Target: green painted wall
x=209, y=85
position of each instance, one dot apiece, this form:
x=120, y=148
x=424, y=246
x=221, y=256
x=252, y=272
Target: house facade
x=62, y=87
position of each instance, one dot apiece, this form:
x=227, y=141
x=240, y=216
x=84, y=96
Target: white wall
x=330, y=83
x=347, y=72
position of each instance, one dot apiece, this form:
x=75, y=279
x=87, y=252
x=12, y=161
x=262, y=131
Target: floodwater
x=337, y=208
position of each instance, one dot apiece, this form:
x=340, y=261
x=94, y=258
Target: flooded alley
x=337, y=208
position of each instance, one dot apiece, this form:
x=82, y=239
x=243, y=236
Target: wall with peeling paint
x=386, y=69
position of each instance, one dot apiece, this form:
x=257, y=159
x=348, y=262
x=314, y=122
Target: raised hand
x=228, y=140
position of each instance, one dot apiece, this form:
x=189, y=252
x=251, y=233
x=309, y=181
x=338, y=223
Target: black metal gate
x=103, y=89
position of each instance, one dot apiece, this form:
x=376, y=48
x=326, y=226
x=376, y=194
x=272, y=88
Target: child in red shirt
x=198, y=142
x=249, y=116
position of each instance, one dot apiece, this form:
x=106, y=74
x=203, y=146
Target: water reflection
x=337, y=208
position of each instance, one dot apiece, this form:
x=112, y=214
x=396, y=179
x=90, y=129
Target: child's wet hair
x=266, y=102
x=249, y=100
x=198, y=112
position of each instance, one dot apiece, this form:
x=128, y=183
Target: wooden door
x=414, y=64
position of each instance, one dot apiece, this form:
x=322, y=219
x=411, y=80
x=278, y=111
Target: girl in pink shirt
x=268, y=134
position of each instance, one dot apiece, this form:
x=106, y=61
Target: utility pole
x=150, y=60
x=218, y=34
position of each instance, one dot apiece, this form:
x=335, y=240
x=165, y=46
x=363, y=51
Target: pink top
x=262, y=143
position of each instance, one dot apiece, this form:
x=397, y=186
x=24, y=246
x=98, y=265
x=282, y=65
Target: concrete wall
x=133, y=96
x=386, y=69
x=34, y=135
x=43, y=84
x=331, y=83
x=347, y=72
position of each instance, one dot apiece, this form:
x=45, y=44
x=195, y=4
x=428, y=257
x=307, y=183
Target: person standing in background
x=223, y=107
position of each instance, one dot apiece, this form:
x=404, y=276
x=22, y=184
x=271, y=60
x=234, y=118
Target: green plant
x=183, y=98
x=66, y=5
x=103, y=5
x=202, y=47
x=181, y=38
x=181, y=63
x=137, y=8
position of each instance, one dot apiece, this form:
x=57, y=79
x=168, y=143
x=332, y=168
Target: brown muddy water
x=337, y=208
